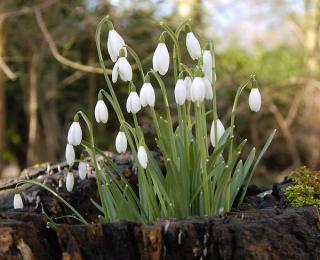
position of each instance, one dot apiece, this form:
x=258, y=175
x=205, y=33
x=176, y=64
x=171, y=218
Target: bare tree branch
x=6, y=70
x=57, y=55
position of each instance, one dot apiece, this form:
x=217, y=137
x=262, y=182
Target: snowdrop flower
x=133, y=103
x=121, y=142
x=122, y=67
x=220, y=132
x=208, y=89
x=198, y=89
x=207, y=64
x=69, y=181
x=82, y=169
x=142, y=157
x=70, y=154
x=161, y=59
x=101, y=112
x=180, y=92
x=114, y=44
x=193, y=46
x=17, y=201
x=255, y=100
x=75, y=133
x=147, y=95
x=188, y=83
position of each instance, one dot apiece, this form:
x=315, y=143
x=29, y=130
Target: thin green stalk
x=83, y=221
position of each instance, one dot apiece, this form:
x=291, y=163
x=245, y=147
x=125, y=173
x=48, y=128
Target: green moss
x=306, y=190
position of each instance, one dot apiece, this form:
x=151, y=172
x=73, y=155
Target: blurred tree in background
x=49, y=70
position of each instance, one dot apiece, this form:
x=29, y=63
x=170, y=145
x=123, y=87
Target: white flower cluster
x=194, y=89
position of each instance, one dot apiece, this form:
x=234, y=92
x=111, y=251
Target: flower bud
x=161, y=59
x=207, y=64
x=220, y=132
x=147, y=95
x=101, y=112
x=70, y=154
x=198, y=89
x=180, y=92
x=255, y=100
x=75, y=134
x=142, y=157
x=69, y=181
x=208, y=89
x=188, y=83
x=17, y=201
x=82, y=169
x=122, y=67
x=193, y=46
x=133, y=103
x=114, y=44
x=121, y=142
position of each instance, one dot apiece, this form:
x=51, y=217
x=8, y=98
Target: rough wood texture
x=264, y=228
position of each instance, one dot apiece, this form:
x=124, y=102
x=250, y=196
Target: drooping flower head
x=193, y=45
x=121, y=142
x=220, y=132
x=142, y=157
x=82, y=169
x=133, y=103
x=17, y=201
x=161, y=58
x=69, y=181
x=122, y=67
x=115, y=43
x=147, y=94
x=207, y=65
x=70, y=154
x=75, y=132
x=101, y=111
x=255, y=100
x=180, y=92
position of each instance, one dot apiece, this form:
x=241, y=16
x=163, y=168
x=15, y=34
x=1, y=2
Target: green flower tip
x=162, y=38
x=100, y=96
x=122, y=53
x=110, y=25
x=76, y=118
x=147, y=79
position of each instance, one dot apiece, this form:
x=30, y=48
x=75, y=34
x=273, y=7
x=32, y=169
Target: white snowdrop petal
x=70, y=154
x=208, y=89
x=197, y=92
x=121, y=142
x=17, y=201
x=155, y=59
x=255, y=100
x=193, y=46
x=147, y=95
x=125, y=69
x=82, y=169
x=114, y=44
x=101, y=112
x=220, y=132
x=135, y=105
x=180, y=92
x=115, y=72
x=128, y=104
x=69, y=181
x=187, y=83
x=163, y=59
x=207, y=64
x=75, y=134
x=142, y=157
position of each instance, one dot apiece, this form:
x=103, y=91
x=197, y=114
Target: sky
x=246, y=22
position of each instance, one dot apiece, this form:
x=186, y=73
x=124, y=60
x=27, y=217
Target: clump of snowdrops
x=203, y=171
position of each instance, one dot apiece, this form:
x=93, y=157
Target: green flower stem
x=202, y=149
x=232, y=126
x=137, y=60
x=215, y=112
x=109, y=84
x=79, y=216
x=95, y=163
x=166, y=103
x=155, y=121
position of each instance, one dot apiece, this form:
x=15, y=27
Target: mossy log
x=262, y=228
